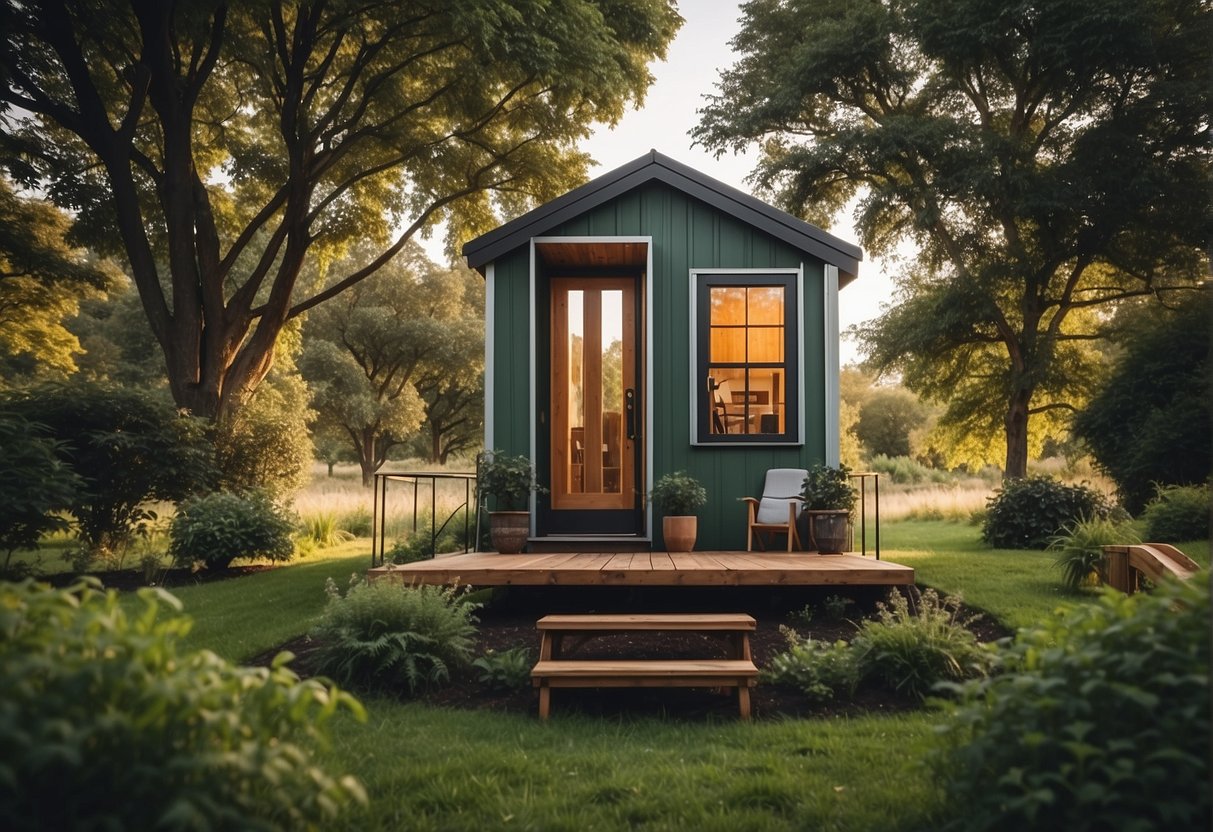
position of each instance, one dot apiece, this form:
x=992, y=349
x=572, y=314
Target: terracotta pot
x=831, y=531
x=509, y=530
x=680, y=532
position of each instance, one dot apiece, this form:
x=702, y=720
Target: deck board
x=651, y=569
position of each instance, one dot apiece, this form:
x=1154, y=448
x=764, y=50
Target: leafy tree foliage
x=887, y=421
x=43, y=278
x=1150, y=422
x=1048, y=159
x=227, y=142
x=36, y=483
x=128, y=447
x=372, y=353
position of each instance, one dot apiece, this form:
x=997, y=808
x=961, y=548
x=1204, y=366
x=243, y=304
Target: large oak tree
x=1047, y=159
x=218, y=145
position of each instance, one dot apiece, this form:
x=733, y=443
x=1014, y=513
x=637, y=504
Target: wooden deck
x=650, y=569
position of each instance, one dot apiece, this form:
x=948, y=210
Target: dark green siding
x=686, y=234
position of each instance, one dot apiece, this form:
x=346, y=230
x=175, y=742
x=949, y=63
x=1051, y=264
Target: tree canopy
x=216, y=145
x=1150, y=423
x=1047, y=159
x=390, y=352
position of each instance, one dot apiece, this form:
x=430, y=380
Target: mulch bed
x=509, y=621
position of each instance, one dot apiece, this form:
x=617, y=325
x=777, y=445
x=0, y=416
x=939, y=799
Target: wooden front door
x=595, y=412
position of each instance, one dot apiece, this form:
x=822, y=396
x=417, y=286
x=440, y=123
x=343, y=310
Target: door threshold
x=557, y=543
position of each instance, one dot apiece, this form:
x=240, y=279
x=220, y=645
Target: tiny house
x=656, y=320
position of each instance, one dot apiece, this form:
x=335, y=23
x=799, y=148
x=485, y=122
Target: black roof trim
x=653, y=165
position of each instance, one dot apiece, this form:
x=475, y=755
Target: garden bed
x=509, y=623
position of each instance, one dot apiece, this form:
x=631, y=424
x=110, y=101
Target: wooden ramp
x=1124, y=565
x=650, y=569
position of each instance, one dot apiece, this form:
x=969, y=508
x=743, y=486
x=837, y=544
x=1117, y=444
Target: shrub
x=128, y=447
x=1100, y=720
x=220, y=527
x=105, y=725
x=358, y=522
x=323, y=529
x=392, y=637
x=1081, y=549
x=678, y=494
x=507, y=670
x=913, y=646
x=818, y=670
x=1027, y=513
x=1177, y=514
x=905, y=471
x=36, y=483
x=829, y=488
x=266, y=442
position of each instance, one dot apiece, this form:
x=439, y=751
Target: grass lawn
x=442, y=769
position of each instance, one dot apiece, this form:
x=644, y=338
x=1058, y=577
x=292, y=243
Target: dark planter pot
x=830, y=531
x=509, y=530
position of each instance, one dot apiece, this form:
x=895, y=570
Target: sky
x=689, y=73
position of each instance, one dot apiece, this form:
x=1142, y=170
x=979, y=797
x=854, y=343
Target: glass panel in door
x=593, y=392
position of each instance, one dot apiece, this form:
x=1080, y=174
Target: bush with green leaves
x=1080, y=549
x=508, y=478
x=678, y=494
x=266, y=442
x=1027, y=513
x=221, y=527
x=128, y=447
x=1177, y=514
x=829, y=488
x=820, y=671
x=392, y=637
x=918, y=641
x=1099, y=720
x=505, y=670
x=106, y=725
x=35, y=485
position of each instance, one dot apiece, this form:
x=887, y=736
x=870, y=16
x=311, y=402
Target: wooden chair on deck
x=777, y=510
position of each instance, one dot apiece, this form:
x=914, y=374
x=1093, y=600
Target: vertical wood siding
x=686, y=234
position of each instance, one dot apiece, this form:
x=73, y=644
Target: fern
x=392, y=637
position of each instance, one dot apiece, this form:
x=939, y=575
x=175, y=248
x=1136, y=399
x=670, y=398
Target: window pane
x=766, y=393
x=728, y=345
x=766, y=345
x=766, y=305
x=612, y=389
x=728, y=305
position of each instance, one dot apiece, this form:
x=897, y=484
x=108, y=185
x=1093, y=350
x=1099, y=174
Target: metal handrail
x=379, y=519
x=863, y=477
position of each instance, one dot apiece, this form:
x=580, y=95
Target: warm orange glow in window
x=747, y=371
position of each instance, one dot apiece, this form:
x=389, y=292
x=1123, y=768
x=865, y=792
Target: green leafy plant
x=505, y=670
x=678, y=494
x=818, y=670
x=105, y=724
x=913, y=644
x=221, y=527
x=1177, y=514
x=828, y=488
x=128, y=447
x=802, y=616
x=393, y=637
x=510, y=479
x=1099, y=720
x=358, y=522
x=835, y=606
x=1027, y=513
x=1080, y=549
x=36, y=484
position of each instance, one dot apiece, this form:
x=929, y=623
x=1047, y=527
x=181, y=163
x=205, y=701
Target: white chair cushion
x=781, y=487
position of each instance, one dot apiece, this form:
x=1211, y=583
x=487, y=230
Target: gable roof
x=654, y=166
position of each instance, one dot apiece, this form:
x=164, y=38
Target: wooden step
x=648, y=621
x=644, y=672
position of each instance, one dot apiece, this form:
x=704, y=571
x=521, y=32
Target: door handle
x=629, y=409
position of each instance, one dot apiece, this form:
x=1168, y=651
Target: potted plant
x=829, y=499
x=510, y=480
x=679, y=496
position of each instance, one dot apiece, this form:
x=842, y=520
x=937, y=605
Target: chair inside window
x=778, y=508
x=725, y=415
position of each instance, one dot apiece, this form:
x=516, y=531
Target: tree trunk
x=436, y=454
x=1017, y=435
